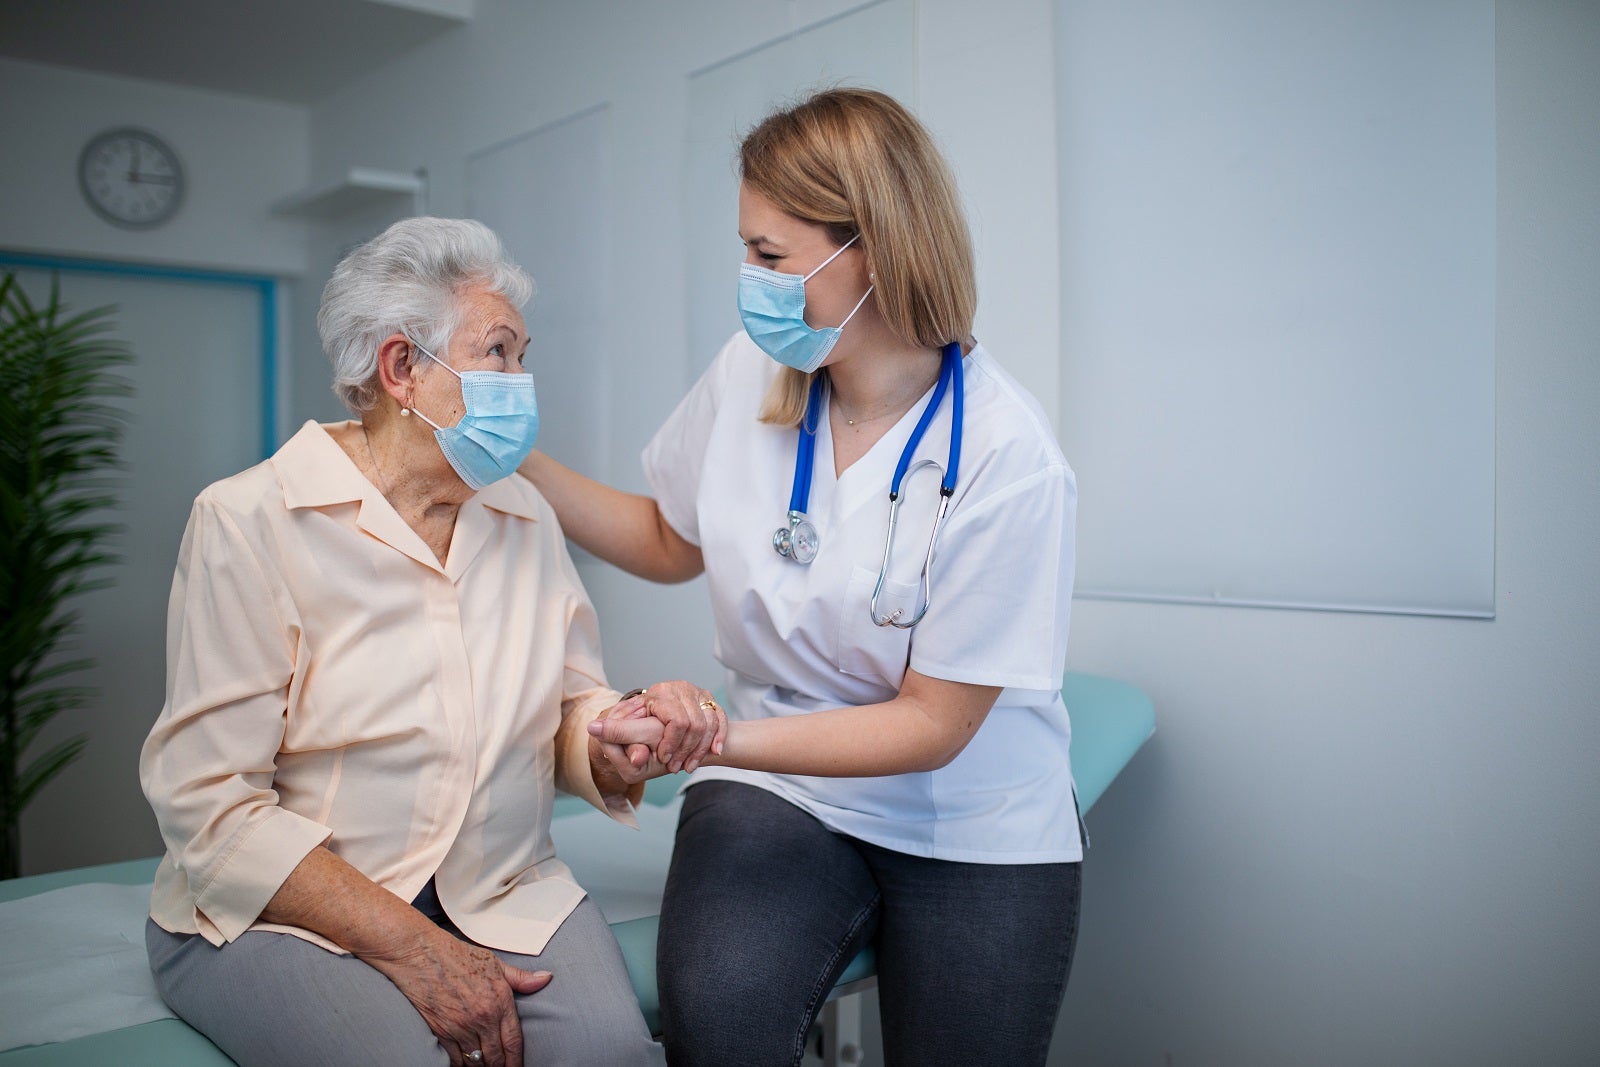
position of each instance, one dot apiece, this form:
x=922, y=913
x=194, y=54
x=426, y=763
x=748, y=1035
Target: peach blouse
x=330, y=682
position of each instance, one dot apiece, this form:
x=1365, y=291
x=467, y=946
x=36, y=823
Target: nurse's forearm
x=907, y=734
x=623, y=529
x=839, y=743
x=921, y=729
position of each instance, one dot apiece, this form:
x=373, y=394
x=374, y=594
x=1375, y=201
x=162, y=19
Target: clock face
x=131, y=177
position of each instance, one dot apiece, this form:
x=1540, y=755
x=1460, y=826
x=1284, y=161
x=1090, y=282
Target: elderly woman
x=380, y=666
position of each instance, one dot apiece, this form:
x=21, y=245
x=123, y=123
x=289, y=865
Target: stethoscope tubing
x=952, y=378
x=805, y=453
x=949, y=371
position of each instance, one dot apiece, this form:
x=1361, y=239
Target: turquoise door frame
x=265, y=287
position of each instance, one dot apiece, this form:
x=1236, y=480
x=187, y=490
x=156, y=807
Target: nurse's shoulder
x=1007, y=436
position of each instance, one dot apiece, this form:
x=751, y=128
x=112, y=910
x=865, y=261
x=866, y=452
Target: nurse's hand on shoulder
x=694, y=724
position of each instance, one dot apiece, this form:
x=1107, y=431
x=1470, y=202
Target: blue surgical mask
x=498, y=430
x=773, y=307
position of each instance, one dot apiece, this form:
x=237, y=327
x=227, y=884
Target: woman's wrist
x=606, y=778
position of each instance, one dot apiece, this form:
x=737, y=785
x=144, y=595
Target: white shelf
x=359, y=189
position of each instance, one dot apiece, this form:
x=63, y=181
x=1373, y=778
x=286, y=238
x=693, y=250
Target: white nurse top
x=796, y=639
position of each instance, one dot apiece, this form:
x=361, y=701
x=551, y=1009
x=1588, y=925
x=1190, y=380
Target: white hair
x=408, y=280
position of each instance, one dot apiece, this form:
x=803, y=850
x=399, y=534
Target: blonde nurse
x=895, y=769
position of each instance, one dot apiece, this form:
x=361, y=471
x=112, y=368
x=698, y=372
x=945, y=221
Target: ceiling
x=293, y=51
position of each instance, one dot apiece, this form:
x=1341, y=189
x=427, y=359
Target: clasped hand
x=671, y=727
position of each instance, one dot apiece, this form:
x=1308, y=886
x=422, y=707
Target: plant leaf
x=62, y=417
x=46, y=766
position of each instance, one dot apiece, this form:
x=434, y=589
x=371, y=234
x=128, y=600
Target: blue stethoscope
x=798, y=541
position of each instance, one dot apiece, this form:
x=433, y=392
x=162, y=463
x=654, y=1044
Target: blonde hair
x=857, y=162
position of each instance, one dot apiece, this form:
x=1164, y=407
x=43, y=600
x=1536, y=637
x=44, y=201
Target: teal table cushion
x=1110, y=721
x=163, y=1043
x=132, y=872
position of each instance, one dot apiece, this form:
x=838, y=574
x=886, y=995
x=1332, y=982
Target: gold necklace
x=895, y=407
x=848, y=421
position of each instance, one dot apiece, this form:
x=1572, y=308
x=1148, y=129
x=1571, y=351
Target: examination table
x=75, y=986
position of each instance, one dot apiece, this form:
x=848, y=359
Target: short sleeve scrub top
x=798, y=638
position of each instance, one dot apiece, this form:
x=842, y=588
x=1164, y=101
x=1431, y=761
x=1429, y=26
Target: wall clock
x=131, y=177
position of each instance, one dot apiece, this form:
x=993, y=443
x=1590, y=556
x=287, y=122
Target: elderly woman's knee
x=605, y=1033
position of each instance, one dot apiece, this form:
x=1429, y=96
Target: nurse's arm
x=624, y=529
x=923, y=728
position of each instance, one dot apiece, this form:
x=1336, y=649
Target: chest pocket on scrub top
x=867, y=650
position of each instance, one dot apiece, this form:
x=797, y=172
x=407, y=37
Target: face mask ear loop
x=825, y=262
x=413, y=408
x=425, y=419
x=435, y=358
x=830, y=259
x=857, y=308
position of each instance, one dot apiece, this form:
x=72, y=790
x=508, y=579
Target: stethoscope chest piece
x=798, y=540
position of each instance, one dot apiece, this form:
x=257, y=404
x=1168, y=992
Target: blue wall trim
x=266, y=288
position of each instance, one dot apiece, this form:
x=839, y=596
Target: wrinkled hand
x=464, y=993
x=617, y=766
x=626, y=743
x=692, y=725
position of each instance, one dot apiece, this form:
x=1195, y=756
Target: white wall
x=1360, y=839
x=1280, y=251
x=239, y=155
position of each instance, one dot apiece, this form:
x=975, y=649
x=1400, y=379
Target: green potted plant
x=60, y=432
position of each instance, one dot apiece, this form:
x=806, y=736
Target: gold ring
x=709, y=705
